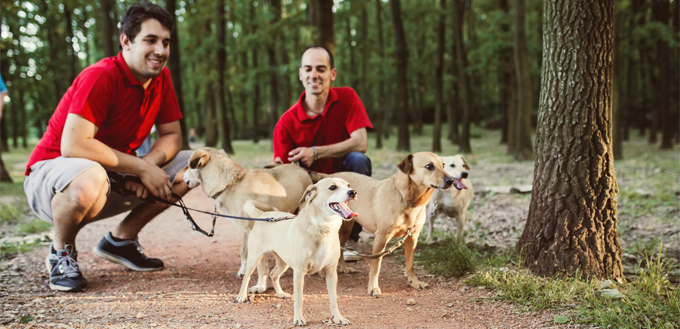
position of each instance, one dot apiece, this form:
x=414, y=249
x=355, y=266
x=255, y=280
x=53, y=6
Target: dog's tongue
x=344, y=210
x=458, y=184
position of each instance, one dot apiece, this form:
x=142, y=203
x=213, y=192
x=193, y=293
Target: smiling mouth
x=343, y=210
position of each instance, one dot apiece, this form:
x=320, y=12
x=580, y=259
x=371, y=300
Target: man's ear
x=334, y=74
x=124, y=41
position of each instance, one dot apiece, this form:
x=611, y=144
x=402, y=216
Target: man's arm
x=78, y=141
x=167, y=145
x=357, y=142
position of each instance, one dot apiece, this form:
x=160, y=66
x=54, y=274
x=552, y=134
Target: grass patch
x=649, y=301
x=448, y=258
x=33, y=226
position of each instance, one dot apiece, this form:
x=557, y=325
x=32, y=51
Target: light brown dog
x=232, y=186
x=308, y=243
x=394, y=206
x=454, y=202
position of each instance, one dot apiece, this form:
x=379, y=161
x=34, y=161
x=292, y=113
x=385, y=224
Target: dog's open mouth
x=343, y=210
x=458, y=184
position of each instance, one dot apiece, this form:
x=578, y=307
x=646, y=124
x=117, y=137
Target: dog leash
x=117, y=181
x=385, y=252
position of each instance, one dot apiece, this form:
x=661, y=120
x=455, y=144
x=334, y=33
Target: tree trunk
x=403, y=141
x=506, y=75
x=461, y=58
x=660, y=14
x=70, y=38
x=439, y=80
x=321, y=17
x=572, y=223
x=453, y=108
x=274, y=67
x=110, y=39
x=256, y=98
x=221, y=108
x=523, y=149
x=381, y=106
x=176, y=72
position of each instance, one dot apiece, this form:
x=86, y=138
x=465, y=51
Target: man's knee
x=88, y=188
x=358, y=162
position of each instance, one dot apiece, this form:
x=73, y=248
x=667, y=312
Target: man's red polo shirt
x=109, y=95
x=344, y=113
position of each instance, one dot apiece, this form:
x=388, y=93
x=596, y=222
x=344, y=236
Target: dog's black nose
x=464, y=174
x=352, y=194
x=448, y=181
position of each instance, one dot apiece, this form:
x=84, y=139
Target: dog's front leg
x=332, y=287
x=298, y=287
x=409, y=250
x=244, y=256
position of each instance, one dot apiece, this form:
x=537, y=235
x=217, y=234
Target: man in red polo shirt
x=99, y=123
x=326, y=130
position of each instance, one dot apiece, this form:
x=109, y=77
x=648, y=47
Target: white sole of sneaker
x=122, y=261
x=350, y=256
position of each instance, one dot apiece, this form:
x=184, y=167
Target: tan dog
x=454, y=202
x=308, y=244
x=232, y=186
x=391, y=207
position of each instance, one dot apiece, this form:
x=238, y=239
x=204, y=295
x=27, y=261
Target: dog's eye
x=452, y=165
x=429, y=167
x=333, y=187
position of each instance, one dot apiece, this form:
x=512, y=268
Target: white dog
x=454, y=202
x=308, y=244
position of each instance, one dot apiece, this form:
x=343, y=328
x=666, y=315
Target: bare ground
x=198, y=287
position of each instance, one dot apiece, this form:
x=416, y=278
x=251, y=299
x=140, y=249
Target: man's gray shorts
x=50, y=177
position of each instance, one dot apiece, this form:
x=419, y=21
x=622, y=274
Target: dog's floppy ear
x=199, y=159
x=406, y=165
x=465, y=164
x=310, y=193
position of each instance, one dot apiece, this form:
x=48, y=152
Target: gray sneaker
x=64, y=272
x=127, y=253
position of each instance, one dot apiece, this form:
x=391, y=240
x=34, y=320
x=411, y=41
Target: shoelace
x=140, y=249
x=67, y=264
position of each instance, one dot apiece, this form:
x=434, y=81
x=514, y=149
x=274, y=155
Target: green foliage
x=448, y=258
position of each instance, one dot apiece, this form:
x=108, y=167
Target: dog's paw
x=258, y=289
x=239, y=276
x=300, y=321
x=375, y=292
x=340, y=320
x=283, y=295
x=418, y=284
x=241, y=299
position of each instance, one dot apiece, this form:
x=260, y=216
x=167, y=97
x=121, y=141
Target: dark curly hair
x=133, y=17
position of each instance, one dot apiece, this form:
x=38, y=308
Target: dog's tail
x=255, y=209
x=316, y=176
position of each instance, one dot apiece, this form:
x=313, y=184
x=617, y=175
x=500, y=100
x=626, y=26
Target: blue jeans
x=361, y=164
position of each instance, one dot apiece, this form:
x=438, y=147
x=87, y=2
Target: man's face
x=149, y=52
x=315, y=71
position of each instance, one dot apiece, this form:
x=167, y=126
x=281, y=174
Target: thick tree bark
x=403, y=140
x=572, y=224
x=321, y=17
x=176, y=71
x=523, y=149
x=110, y=38
x=439, y=80
x=464, y=81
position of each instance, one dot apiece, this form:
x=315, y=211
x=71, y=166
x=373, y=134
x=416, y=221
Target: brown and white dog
x=454, y=202
x=308, y=243
x=394, y=206
x=232, y=186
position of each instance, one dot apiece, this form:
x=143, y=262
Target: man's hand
x=303, y=154
x=156, y=180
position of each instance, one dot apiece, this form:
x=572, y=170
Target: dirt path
x=198, y=287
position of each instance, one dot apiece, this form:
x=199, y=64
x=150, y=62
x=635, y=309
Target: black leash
x=117, y=181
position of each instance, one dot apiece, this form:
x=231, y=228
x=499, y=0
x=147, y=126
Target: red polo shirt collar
x=300, y=110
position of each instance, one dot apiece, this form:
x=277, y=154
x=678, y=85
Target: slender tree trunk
x=572, y=223
x=403, y=141
x=418, y=109
x=274, y=67
x=617, y=107
x=70, y=38
x=176, y=71
x=523, y=149
x=439, y=80
x=256, y=98
x=211, y=126
x=505, y=76
x=321, y=17
x=453, y=109
x=461, y=57
x=381, y=106
x=110, y=39
x=660, y=14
